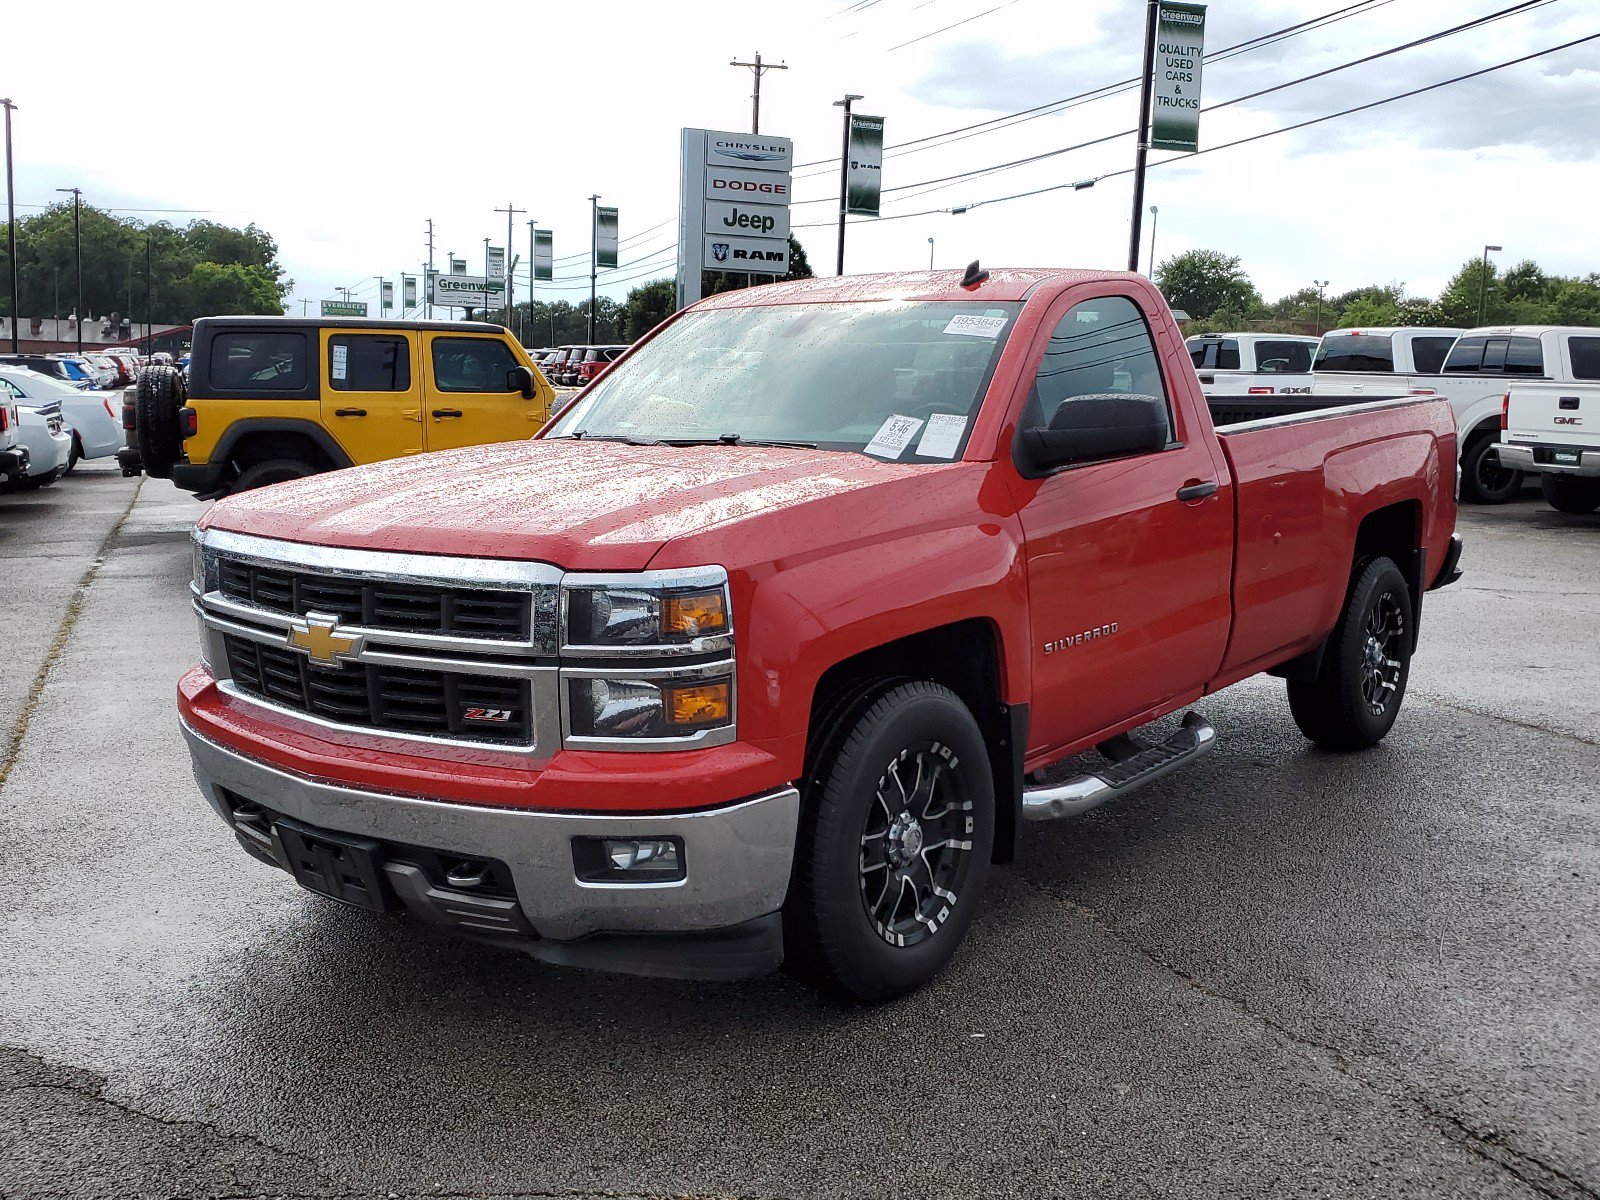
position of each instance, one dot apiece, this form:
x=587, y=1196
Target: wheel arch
x=965, y=656
x=258, y=439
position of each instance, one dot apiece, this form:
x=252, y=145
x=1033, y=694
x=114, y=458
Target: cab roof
x=349, y=323
x=1533, y=330
x=1003, y=284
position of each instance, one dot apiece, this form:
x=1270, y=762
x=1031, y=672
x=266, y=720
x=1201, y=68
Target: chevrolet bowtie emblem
x=317, y=636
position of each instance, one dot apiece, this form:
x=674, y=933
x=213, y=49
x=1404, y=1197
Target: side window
x=1585, y=357
x=361, y=362
x=1101, y=346
x=265, y=362
x=1228, y=356
x=1524, y=356
x=1283, y=357
x=1465, y=356
x=1494, y=356
x=472, y=365
x=1427, y=354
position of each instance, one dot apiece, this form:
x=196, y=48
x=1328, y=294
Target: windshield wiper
x=585, y=435
x=734, y=439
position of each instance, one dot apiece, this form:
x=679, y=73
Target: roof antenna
x=974, y=276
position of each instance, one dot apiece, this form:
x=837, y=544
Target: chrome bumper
x=737, y=857
x=1520, y=458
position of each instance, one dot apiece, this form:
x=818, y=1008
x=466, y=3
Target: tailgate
x=1564, y=413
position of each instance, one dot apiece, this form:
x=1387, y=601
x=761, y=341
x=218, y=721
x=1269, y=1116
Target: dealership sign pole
x=733, y=206
x=1169, y=93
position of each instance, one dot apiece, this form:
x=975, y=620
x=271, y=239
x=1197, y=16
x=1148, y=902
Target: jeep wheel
x=1483, y=479
x=1566, y=494
x=274, y=470
x=895, y=845
x=1356, y=696
x=156, y=403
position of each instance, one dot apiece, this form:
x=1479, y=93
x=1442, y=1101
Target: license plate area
x=1564, y=458
x=343, y=868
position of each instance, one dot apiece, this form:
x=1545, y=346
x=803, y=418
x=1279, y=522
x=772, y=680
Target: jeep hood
x=582, y=505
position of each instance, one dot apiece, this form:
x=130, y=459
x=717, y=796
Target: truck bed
x=1303, y=479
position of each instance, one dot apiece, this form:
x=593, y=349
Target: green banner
x=344, y=308
x=1175, y=99
x=605, y=237
x=864, y=179
x=543, y=254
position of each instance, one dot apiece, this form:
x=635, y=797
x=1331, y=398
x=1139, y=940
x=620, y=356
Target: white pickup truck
x=1552, y=425
x=1467, y=367
x=1252, y=364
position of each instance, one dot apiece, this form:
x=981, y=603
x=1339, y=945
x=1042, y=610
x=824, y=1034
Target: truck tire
x=1566, y=494
x=273, y=470
x=1354, y=699
x=894, y=845
x=160, y=395
x=1483, y=479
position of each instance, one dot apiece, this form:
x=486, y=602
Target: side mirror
x=1098, y=426
x=520, y=379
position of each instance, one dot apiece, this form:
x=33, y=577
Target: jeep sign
x=747, y=220
x=733, y=206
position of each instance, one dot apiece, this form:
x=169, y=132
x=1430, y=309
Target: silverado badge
x=317, y=636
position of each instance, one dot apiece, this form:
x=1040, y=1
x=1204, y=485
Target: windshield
x=898, y=381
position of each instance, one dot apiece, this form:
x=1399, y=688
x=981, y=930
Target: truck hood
x=578, y=504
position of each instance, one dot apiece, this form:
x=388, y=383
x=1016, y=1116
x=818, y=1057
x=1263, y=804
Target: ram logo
x=719, y=251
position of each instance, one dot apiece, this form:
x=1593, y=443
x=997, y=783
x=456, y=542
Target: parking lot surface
x=1279, y=973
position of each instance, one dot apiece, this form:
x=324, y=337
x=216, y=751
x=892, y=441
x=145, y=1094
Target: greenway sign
x=733, y=206
x=468, y=291
x=864, y=177
x=1175, y=99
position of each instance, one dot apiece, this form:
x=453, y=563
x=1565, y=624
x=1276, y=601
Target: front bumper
x=720, y=921
x=1526, y=458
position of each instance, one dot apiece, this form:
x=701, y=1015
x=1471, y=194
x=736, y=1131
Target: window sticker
x=893, y=436
x=942, y=436
x=975, y=326
x=341, y=362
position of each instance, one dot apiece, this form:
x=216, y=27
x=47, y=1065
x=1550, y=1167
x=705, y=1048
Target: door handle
x=349, y=412
x=1197, y=491
x=440, y=413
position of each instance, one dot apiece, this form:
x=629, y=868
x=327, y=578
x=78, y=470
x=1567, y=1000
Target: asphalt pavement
x=1280, y=973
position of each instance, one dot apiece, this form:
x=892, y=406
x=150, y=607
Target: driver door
x=472, y=398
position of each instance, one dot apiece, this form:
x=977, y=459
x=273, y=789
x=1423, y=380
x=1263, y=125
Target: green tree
x=1204, y=282
x=648, y=305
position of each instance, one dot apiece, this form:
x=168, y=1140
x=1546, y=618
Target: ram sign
x=734, y=191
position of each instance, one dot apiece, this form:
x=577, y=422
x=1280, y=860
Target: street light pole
x=11, y=224
x=1483, y=281
x=427, y=281
x=844, y=171
x=930, y=254
x=594, y=256
x=509, y=209
x=149, y=290
x=77, y=239
x=1146, y=82
x=1321, y=283
x=1154, y=212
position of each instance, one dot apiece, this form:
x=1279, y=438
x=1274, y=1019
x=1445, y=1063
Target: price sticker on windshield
x=942, y=436
x=976, y=326
x=893, y=436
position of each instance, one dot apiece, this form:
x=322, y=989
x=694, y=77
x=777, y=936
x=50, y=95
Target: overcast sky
x=341, y=128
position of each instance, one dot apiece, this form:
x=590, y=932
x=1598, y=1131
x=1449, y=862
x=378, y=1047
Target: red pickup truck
x=754, y=652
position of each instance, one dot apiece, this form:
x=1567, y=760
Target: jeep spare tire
x=159, y=396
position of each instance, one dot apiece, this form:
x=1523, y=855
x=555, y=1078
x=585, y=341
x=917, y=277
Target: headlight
x=601, y=707
x=683, y=609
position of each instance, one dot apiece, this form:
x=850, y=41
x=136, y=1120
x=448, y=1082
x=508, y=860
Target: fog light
x=628, y=860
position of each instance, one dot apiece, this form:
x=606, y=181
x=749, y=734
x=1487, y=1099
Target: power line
x=965, y=20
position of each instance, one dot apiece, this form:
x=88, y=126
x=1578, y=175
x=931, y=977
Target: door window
x=1101, y=346
x=1585, y=357
x=1283, y=357
x=1524, y=356
x=369, y=363
x=472, y=365
x=1466, y=356
x=1427, y=353
x=265, y=362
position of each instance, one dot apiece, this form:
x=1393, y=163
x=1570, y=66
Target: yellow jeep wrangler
x=274, y=398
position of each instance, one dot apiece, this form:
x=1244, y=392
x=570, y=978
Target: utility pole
x=594, y=256
x=533, y=269
x=305, y=306
x=844, y=170
x=427, y=279
x=485, y=278
x=1145, y=83
x=1154, y=214
x=11, y=224
x=77, y=238
x=381, y=282
x=509, y=209
x=149, y=290
x=757, y=68
x=1483, y=281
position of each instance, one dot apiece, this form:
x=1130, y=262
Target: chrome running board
x=1083, y=792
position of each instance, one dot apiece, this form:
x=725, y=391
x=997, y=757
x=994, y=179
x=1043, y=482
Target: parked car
x=1252, y=364
x=1372, y=363
x=761, y=659
x=52, y=365
x=1552, y=425
x=101, y=369
x=595, y=359
x=276, y=398
x=48, y=441
x=94, y=418
x=13, y=453
x=564, y=364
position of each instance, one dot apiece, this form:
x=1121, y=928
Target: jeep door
x=372, y=392
x=473, y=394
